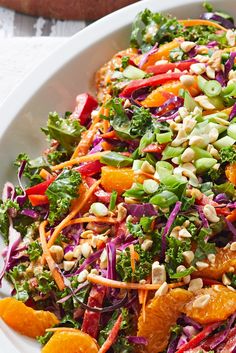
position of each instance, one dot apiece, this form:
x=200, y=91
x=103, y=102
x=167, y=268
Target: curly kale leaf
x=126, y=128
x=61, y=192
x=34, y=250
x=228, y=154
x=149, y=28
x=143, y=268
x=65, y=130
x=174, y=254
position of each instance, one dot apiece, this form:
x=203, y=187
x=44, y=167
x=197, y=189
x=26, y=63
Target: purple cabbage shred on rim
x=222, y=335
x=137, y=340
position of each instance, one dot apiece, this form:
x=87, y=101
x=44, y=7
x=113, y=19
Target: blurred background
x=31, y=29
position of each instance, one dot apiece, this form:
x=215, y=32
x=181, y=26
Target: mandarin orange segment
x=225, y=261
x=156, y=98
x=25, y=320
x=161, y=314
x=71, y=342
x=221, y=304
x=230, y=173
x=117, y=179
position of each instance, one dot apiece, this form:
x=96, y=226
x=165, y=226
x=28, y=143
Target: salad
x=121, y=236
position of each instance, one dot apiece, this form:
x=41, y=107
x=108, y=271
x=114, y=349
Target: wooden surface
x=67, y=9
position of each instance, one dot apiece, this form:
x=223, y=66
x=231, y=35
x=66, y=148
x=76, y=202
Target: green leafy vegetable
x=34, y=250
x=4, y=221
x=65, y=130
x=116, y=160
x=228, y=154
x=61, y=192
x=124, y=61
x=203, y=247
x=140, y=123
x=32, y=167
x=174, y=254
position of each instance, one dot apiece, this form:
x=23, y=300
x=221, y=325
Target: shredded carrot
x=88, y=158
x=124, y=285
x=140, y=296
x=86, y=139
x=232, y=216
x=112, y=336
x=106, y=146
x=78, y=205
x=132, y=257
x=197, y=22
x=61, y=329
x=45, y=174
x=145, y=294
x=93, y=219
x=110, y=134
x=51, y=264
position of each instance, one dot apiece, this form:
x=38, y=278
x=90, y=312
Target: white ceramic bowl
x=54, y=85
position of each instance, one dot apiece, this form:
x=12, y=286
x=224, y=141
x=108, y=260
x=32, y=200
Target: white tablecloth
x=19, y=55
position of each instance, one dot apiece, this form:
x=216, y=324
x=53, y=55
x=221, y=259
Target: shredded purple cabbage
x=182, y=340
x=221, y=198
x=229, y=63
x=146, y=55
x=92, y=258
x=141, y=210
x=185, y=320
x=137, y=340
x=204, y=220
x=220, y=77
x=20, y=199
x=176, y=101
x=212, y=16
x=14, y=241
x=221, y=336
x=30, y=213
x=111, y=260
x=8, y=192
x=169, y=223
x=231, y=228
x=139, y=95
x=81, y=286
x=189, y=331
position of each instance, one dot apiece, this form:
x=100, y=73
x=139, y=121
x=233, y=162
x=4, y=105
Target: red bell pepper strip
x=112, y=336
x=38, y=200
x=91, y=319
x=90, y=168
x=163, y=68
x=39, y=189
x=151, y=81
x=154, y=148
x=210, y=282
x=85, y=105
x=224, y=211
x=195, y=341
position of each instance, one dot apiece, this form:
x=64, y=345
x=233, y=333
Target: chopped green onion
x=224, y=142
x=189, y=102
x=150, y=186
x=231, y=131
x=171, y=152
x=164, y=137
x=200, y=153
x=133, y=73
x=98, y=209
x=201, y=82
x=204, y=164
x=137, y=164
x=116, y=160
x=230, y=90
x=164, y=199
x=212, y=88
x=113, y=199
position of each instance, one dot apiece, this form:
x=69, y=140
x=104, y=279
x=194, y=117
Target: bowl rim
x=38, y=76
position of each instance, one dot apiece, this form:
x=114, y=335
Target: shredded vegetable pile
x=124, y=228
